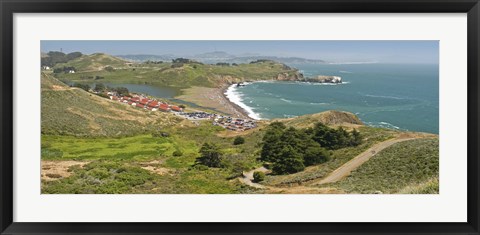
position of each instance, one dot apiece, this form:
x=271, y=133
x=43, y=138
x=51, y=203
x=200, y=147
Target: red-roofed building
x=164, y=107
x=144, y=101
x=176, y=108
x=153, y=104
x=135, y=99
x=140, y=106
x=125, y=98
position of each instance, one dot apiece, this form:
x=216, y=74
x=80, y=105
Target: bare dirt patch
x=55, y=170
x=155, y=167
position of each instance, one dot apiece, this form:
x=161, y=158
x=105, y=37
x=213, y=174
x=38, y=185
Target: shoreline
x=213, y=99
x=237, y=107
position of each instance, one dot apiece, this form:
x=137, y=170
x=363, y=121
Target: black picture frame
x=9, y=7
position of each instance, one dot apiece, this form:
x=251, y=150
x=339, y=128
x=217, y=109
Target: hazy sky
x=332, y=51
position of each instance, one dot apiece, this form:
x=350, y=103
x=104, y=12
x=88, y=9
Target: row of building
x=144, y=102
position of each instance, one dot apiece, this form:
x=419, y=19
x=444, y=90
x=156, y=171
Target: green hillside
x=92, y=69
x=72, y=111
x=93, y=62
x=407, y=167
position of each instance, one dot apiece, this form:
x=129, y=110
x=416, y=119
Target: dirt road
x=345, y=170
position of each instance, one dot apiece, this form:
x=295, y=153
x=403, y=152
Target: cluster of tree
x=181, y=60
x=64, y=69
x=290, y=150
x=121, y=91
x=335, y=138
x=55, y=57
x=153, y=62
x=260, y=61
x=85, y=87
x=222, y=64
x=99, y=87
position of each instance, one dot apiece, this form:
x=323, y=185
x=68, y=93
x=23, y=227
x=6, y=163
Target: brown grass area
x=54, y=170
x=155, y=167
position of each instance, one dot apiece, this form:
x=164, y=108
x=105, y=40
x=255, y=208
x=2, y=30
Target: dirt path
x=338, y=174
x=345, y=170
x=247, y=177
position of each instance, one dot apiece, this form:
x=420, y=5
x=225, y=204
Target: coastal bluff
x=329, y=118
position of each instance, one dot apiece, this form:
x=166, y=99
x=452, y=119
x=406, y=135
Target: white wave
x=288, y=101
x=383, y=125
x=343, y=71
x=289, y=116
x=319, y=103
x=319, y=84
x=235, y=97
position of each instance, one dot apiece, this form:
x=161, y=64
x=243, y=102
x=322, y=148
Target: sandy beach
x=213, y=98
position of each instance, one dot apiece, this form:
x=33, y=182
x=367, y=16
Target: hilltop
x=93, y=62
x=330, y=118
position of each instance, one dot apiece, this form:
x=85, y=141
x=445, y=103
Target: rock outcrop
x=325, y=79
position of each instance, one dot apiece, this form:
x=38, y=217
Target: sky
x=405, y=51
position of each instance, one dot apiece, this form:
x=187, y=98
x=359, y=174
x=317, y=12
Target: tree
x=315, y=155
x=182, y=106
x=122, y=91
x=356, y=138
x=210, y=155
x=258, y=176
x=73, y=55
x=289, y=161
x=238, y=140
x=85, y=87
x=99, y=87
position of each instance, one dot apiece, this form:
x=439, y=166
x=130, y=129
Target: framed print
x=261, y=117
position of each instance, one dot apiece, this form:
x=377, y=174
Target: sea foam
x=235, y=97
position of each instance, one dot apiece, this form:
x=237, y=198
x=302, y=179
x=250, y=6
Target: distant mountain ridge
x=220, y=57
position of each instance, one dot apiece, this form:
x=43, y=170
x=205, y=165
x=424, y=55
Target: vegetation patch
x=395, y=168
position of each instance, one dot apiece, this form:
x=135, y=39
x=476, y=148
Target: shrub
x=210, y=155
x=239, y=140
x=258, y=176
x=177, y=153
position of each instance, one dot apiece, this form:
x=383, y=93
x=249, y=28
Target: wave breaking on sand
x=235, y=97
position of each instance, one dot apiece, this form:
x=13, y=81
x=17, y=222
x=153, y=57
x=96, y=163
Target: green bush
x=210, y=155
x=239, y=140
x=258, y=176
x=177, y=153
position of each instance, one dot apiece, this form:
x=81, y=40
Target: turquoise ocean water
x=397, y=96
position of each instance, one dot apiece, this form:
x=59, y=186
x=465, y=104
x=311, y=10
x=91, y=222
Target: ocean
x=396, y=96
